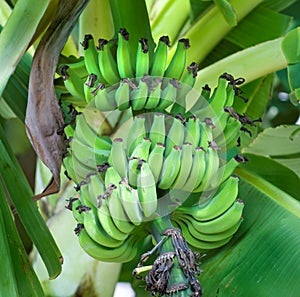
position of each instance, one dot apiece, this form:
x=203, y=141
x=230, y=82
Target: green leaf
x=7, y=280
x=197, y=8
x=21, y=195
x=259, y=25
x=17, y=33
x=278, y=5
x=291, y=46
x=24, y=276
x=279, y=142
x=263, y=258
x=273, y=171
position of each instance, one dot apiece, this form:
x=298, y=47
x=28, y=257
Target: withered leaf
x=43, y=114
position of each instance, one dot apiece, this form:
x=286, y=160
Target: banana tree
x=163, y=127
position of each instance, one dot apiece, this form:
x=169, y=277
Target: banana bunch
x=111, y=79
x=173, y=153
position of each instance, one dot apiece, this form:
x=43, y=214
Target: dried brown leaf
x=43, y=114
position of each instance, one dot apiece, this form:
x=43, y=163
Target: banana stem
x=250, y=63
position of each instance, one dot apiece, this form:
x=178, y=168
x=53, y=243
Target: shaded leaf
x=43, y=114
x=197, y=8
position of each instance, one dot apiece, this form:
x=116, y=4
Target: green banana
x=95, y=189
x=73, y=84
x=170, y=169
x=220, y=201
x=177, y=64
x=154, y=93
x=91, y=56
x=206, y=133
x=175, y=135
x=156, y=160
x=201, y=102
x=160, y=57
x=196, y=243
x=104, y=100
x=168, y=94
x=89, y=87
x=186, y=166
x=85, y=134
x=74, y=206
x=158, y=130
x=69, y=172
x=123, y=253
x=187, y=227
x=90, y=157
x=81, y=169
x=96, y=232
x=107, y=63
x=226, y=170
x=185, y=86
x=123, y=55
x=136, y=133
x=197, y=171
x=130, y=202
x=138, y=156
x=142, y=58
x=140, y=94
x=118, y=158
x=146, y=187
x=223, y=222
x=78, y=67
x=107, y=222
x=122, y=95
x=212, y=165
x=193, y=132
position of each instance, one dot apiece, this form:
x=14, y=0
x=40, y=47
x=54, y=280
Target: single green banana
x=74, y=84
x=118, y=158
x=122, y=95
x=78, y=67
x=81, y=169
x=160, y=57
x=175, y=135
x=197, y=171
x=154, y=93
x=146, y=187
x=68, y=165
x=156, y=160
x=157, y=131
x=124, y=56
x=206, y=133
x=104, y=99
x=136, y=133
x=91, y=56
x=138, y=156
x=220, y=123
x=140, y=94
x=117, y=212
x=142, y=58
x=85, y=134
x=96, y=232
x=75, y=204
x=107, y=222
x=223, y=222
x=226, y=170
x=185, y=86
x=186, y=166
x=212, y=166
x=201, y=102
x=170, y=169
x=90, y=157
x=130, y=202
x=220, y=201
x=168, y=94
x=69, y=131
x=107, y=63
x=95, y=190
x=178, y=62
x=102, y=253
x=193, y=132
x=89, y=87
